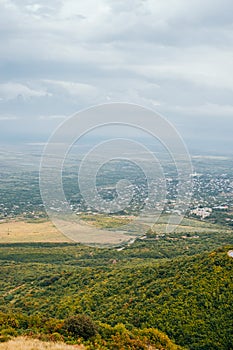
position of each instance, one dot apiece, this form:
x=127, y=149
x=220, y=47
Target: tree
x=80, y=326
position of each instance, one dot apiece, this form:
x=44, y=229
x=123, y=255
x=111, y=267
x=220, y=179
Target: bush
x=4, y=338
x=8, y=331
x=80, y=326
x=56, y=337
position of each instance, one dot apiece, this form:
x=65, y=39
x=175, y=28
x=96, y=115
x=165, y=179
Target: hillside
x=188, y=298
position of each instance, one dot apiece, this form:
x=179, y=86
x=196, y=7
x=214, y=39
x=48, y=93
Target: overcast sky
x=175, y=56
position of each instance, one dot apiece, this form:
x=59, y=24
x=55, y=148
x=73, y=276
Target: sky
x=173, y=56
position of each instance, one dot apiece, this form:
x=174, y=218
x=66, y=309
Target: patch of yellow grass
x=23, y=232
x=22, y=343
x=20, y=231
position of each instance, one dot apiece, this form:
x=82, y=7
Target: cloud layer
x=174, y=56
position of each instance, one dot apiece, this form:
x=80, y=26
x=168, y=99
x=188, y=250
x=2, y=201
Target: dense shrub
x=80, y=326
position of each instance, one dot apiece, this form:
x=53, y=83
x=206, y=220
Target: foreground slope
x=22, y=343
x=188, y=298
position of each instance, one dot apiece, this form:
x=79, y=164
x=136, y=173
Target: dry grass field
x=95, y=229
x=81, y=231
x=20, y=231
x=23, y=232
x=22, y=343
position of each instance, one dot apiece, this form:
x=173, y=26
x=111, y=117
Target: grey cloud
x=60, y=56
x=40, y=7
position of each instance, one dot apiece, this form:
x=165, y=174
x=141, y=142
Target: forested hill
x=188, y=298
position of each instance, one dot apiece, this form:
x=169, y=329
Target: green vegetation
x=103, y=221
x=80, y=326
x=162, y=290
x=105, y=337
x=129, y=295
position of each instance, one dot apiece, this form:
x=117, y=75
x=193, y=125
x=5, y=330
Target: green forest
x=126, y=299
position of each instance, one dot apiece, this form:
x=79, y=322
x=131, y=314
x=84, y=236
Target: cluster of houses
x=201, y=212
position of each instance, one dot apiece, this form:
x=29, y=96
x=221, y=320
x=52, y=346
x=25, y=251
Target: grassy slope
x=22, y=343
